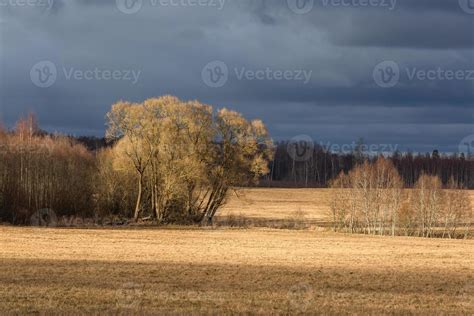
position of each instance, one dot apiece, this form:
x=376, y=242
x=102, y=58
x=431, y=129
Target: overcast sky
x=392, y=72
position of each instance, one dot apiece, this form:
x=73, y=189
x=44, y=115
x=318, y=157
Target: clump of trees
x=182, y=157
x=367, y=198
x=433, y=211
x=371, y=199
x=43, y=171
x=168, y=160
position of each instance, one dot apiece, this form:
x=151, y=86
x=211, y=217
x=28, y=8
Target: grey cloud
x=171, y=45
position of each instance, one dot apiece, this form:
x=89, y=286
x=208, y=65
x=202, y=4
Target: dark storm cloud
x=435, y=29
x=97, y=3
x=169, y=46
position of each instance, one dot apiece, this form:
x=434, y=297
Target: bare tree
x=456, y=210
x=368, y=198
x=426, y=200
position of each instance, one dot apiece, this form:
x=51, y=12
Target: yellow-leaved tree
x=185, y=157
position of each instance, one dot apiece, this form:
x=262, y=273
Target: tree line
x=320, y=166
x=173, y=161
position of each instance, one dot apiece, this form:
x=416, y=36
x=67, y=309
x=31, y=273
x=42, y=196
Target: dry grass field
x=233, y=271
x=281, y=204
x=275, y=203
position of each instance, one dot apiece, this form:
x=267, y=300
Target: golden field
x=281, y=204
x=233, y=271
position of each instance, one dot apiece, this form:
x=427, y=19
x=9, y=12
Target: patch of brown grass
x=278, y=204
x=274, y=206
x=251, y=271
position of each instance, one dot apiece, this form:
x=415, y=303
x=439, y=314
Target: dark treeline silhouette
x=93, y=143
x=318, y=167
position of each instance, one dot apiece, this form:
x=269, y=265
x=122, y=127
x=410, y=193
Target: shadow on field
x=45, y=286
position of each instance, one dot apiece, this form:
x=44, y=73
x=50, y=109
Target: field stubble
x=224, y=271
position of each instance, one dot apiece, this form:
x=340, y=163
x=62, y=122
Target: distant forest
x=322, y=166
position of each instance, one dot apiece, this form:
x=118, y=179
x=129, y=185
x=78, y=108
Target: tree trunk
x=139, y=198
